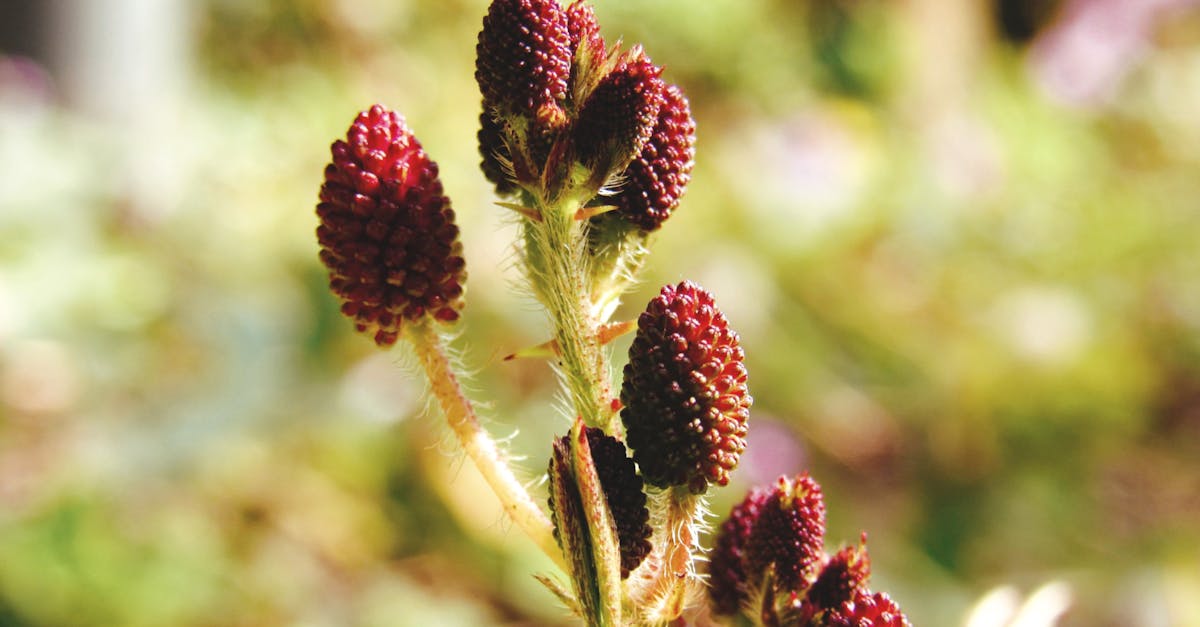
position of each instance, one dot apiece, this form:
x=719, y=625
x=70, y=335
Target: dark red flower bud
x=656, y=179
x=789, y=534
x=622, y=491
x=387, y=232
x=842, y=578
x=523, y=60
x=868, y=610
x=494, y=152
x=726, y=572
x=685, y=399
x=619, y=115
x=584, y=30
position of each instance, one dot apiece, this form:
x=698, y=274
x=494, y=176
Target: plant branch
x=479, y=446
x=555, y=250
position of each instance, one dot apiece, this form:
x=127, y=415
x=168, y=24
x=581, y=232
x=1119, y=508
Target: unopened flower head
x=726, y=567
x=620, y=114
x=587, y=45
x=655, y=180
x=789, y=535
x=843, y=577
x=523, y=60
x=387, y=231
x=622, y=491
x=686, y=404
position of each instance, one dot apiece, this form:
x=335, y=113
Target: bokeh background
x=958, y=237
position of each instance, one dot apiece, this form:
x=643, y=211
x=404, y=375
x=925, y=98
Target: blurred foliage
x=970, y=305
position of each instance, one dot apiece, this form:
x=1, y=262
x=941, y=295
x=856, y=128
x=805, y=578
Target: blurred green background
x=959, y=239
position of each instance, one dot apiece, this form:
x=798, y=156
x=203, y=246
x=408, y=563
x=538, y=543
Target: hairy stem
x=675, y=582
x=479, y=446
x=555, y=250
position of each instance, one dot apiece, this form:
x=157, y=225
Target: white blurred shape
x=1043, y=324
x=1045, y=606
x=1003, y=607
x=802, y=174
x=995, y=608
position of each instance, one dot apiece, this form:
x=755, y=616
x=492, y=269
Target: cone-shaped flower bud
x=494, y=152
x=387, y=232
x=619, y=115
x=587, y=48
x=789, y=534
x=523, y=60
x=875, y=610
x=622, y=491
x=656, y=179
x=842, y=578
x=726, y=573
x=570, y=523
x=685, y=399
x=584, y=31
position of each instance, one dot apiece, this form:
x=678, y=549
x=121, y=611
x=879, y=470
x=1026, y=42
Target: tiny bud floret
x=387, y=231
x=656, y=179
x=686, y=404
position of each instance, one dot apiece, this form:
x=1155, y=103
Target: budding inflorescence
x=594, y=149
x=387, y=232
x=686, y=404
x=769, y=563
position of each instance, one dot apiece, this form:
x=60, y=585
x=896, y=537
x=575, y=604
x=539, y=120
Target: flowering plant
x=593, y=149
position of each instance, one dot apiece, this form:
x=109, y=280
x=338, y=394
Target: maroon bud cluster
x=622, y=491
x=546, y=77
x=771, y=548
x=656, y=179
x=686, y=404
x=387, y=232
x=617, y=119
x=523, y=60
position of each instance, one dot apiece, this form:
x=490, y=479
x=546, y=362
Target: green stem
x=479, y=446
x=555, y=250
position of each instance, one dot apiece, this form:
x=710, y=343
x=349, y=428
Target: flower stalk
x=476, y=442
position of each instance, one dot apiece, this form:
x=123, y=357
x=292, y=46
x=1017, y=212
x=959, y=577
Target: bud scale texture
x=686, y=404
x=622, y=491
x=387, y=232
x=523, y=60
x=656, y=179
x=789, y=534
